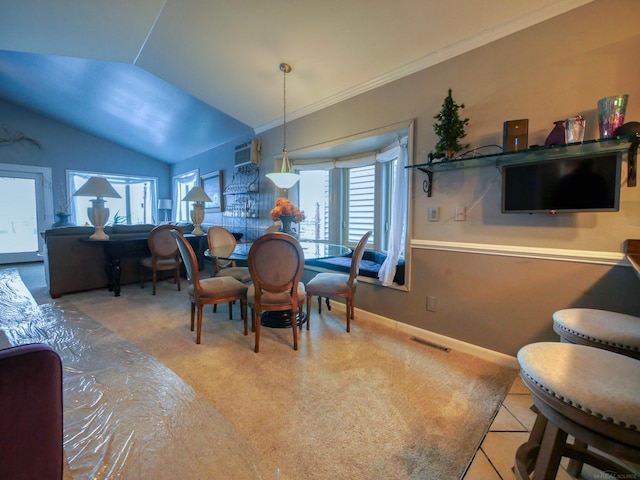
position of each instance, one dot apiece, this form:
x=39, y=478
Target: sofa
x=31, y=413
x=72, y=265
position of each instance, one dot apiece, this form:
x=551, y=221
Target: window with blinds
x=360, y=203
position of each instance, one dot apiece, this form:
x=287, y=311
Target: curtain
x=397, y=228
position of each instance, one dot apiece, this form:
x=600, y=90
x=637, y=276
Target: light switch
x=433, y=214
x=461, y=214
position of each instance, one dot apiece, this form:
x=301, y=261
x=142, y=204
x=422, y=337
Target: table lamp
x=98, y=214
x=199, y=197
x=165, y=204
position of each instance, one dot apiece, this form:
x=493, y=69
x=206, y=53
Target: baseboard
x=432, y=337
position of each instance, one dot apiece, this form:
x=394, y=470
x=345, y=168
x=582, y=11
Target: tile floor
x=510, y=429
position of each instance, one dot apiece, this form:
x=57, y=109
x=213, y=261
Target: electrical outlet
x=461, y=214
x=433, y=214
x=432, y=304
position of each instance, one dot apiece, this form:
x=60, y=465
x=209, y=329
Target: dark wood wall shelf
x=623, y=143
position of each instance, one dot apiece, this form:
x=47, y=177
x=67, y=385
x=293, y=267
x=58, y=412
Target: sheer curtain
x=397, y=229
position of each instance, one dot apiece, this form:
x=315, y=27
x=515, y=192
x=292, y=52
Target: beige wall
x=556, y=69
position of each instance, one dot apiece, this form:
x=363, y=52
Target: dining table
x=312, y=250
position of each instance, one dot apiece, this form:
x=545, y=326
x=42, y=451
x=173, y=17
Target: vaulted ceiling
x=174, y=78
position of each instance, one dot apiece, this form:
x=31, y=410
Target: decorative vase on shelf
x=287, y=220
x=63, y=220
x=556, y=137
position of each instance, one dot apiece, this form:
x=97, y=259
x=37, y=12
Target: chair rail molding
x=558, y=254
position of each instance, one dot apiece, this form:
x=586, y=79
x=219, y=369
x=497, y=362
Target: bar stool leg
x=575, y=466
x=550, y=453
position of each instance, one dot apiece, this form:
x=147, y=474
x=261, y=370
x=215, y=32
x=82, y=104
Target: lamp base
x=197, y=217
x=98, y=215
x=99, y=234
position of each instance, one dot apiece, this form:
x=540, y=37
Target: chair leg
x=349, y=306
x=253, y=319
x=256, y=325
x=308, y=311
x=199, y=326
x=176, y=277
x=193, y=311
x=294, y=327
x=550, y=453
x=230, y=310
x=155, y=279
x=319, y=305
x=141, y=276
x=243, y=313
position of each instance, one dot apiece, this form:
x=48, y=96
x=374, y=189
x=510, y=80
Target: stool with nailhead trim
x=589, y=393
x=612, y=331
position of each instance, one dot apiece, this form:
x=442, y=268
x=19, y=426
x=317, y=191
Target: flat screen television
x=584, y=184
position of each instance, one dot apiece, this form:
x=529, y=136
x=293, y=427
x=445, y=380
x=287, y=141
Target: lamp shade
x=196, y=194
x=283, y=180
x=164, y=204
x=97, y=187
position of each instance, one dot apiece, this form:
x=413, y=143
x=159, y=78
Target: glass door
x=23, y=213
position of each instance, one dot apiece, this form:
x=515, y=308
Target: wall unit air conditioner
x=247, y=153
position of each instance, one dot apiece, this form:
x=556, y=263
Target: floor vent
x=429, y=344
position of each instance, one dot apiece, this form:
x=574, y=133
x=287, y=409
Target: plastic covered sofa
x=31, y=414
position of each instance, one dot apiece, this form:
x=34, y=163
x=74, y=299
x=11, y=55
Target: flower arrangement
x=285, y=207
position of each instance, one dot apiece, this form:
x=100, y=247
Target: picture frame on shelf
x=212, y=185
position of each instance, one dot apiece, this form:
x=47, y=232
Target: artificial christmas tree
x=450, y=128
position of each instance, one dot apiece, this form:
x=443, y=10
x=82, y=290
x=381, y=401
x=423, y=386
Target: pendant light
x=285, y=178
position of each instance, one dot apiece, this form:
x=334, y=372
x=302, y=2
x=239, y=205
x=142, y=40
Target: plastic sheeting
x=126, y=415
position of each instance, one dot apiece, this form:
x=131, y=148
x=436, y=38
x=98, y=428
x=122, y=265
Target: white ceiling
x=216, y=61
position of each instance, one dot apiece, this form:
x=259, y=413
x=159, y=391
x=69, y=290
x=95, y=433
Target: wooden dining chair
x=221, y=244
x=164, y=255
x=209, y=290
x=276, y=262
x=338, y=285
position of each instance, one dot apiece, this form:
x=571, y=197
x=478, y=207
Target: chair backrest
x=188, y=258
x=358, y=252
x=276, y=262
x=161, y=243
x=221, y=243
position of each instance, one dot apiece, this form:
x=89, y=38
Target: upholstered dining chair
x=338, y=285
x=209, y=290
x=164, y=255
x=276, y=262
x=222, y=243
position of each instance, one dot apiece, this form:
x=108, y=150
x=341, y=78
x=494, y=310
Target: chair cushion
x=598, y=382
x=327, y=284
x=220, y=288
x=239, y=273
x=275, y=298
x=600, y=326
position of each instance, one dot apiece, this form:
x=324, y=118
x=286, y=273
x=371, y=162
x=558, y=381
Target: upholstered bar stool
x=612, y=331
x=589, y=393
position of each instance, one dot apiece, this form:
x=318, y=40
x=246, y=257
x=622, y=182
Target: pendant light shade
x=285, y=178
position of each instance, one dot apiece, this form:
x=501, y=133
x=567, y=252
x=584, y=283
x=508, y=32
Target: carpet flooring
x=370, y=404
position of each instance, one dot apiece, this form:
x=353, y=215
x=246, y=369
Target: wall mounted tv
x=579, y=184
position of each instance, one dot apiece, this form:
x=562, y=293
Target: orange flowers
x=285, y=207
